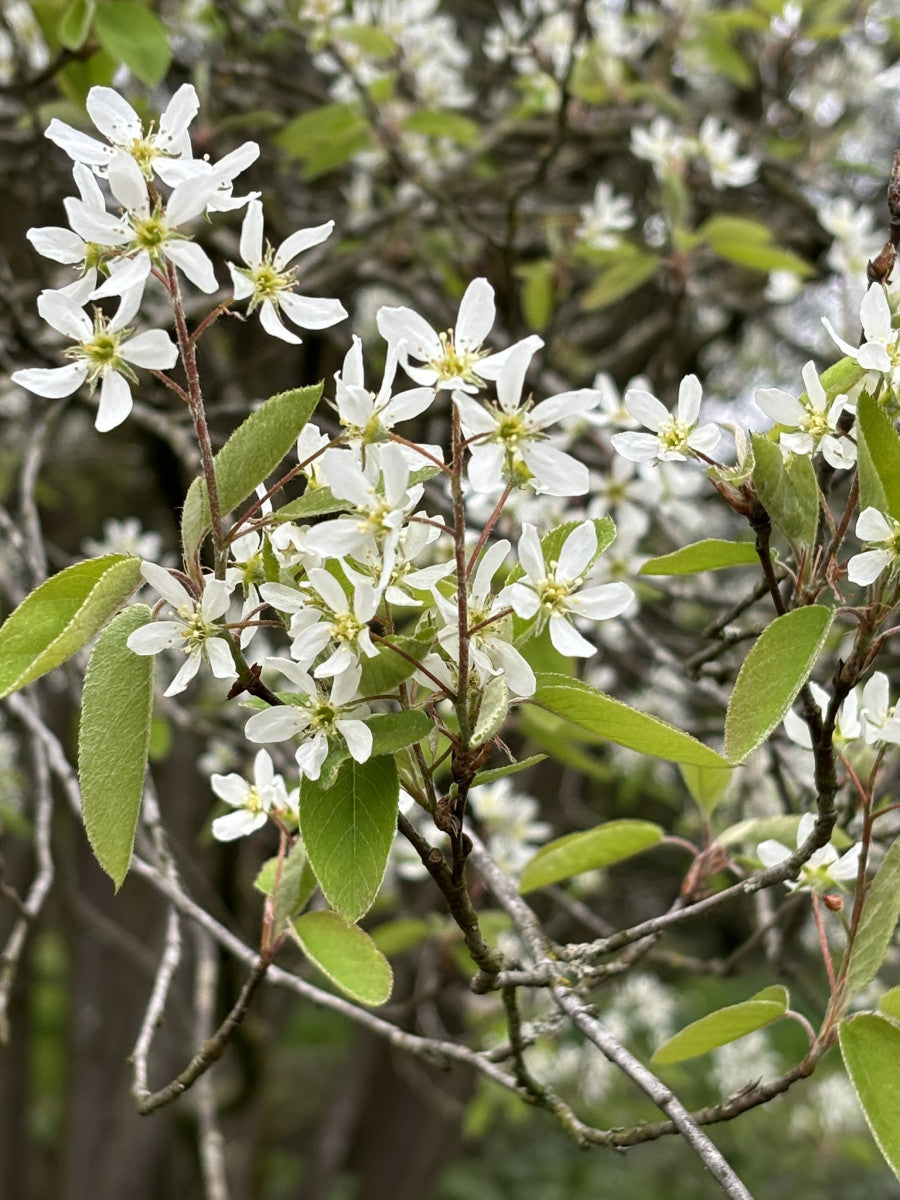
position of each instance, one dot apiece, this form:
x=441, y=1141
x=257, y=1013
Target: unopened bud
x=832, y=902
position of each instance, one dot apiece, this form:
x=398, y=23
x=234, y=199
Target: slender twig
x=212, y=1143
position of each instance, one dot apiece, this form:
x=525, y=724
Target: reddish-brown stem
x=195, y=401
x=491, y=522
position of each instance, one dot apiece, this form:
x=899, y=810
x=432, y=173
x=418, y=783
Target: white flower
x=511, y=444
x=661, y=146
x=881, y=531
x=193, y=629
x=324, y=617
x=556, y=591
x=105, y=350
x=253, y=802
x=366, y=416
x=456, y=358
x=145, y=236
x=880, y=722
x=881, y=349
x=490, y=646
x=826, y=869
x=317, y=718
x=604, y=218
x=812, y=423
x=120, y=124
x=268, y=279
x=718, y=145
x=675, y=436
x=508, y=823
x=847, y=723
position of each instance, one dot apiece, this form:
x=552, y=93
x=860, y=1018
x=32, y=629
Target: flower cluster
x=157, y=190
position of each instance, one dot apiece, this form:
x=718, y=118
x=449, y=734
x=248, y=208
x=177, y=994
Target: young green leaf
x=381, y=674
x=724, y=1026
x=579, y=852
x=493, y=711
x=346, y=955
x=778, y=665
x=394, y=731
x=750, y=244
x=600, y=715
x=348, y=829
x=706, y=784
x=252, y=452
x=508, y=769
x=130, y=33
x=879, y=458
x=393, y=937
x=877, y=923
x=295, y=887
x=75, y=24
x=788, y=491
x=712, y=554
x=870, y=1046
x=621, y=272
x=889, y=1004
x=60, y=616
x=113, y=741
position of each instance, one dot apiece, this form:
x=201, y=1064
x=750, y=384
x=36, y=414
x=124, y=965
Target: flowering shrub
x=397, y=621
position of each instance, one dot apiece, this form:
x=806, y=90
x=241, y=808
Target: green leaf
x=778, y=665
x=383, y=673
x=348, y=829
x=509, y=769
x=724, y=1026
x=629, y=270
x=889, y=1004
x=135, y=36
x=255, y=448
x=577, y=853
x=870, y=1046
x=712, y=554
x=781, y=828
x=706, y=784
x=75, y=24
x=374, y=41
x=295, y=887
x=493, y=710
x=113, y=741
x=393, y=937
x=877, y=922
x=60, y=616
x=750, y=244
x=538, y=292
x=879, y=458
x=788, y=491
x=325, y=138
x=394, y=731
x=443, y=123
x=315, y=502
x=346, y=955
x=601, y=715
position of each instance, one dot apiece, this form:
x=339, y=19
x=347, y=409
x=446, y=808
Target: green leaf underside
x=295, y=887
x=394, y=731
x=577, y=853
x=510, y=769
x=252, y=452
x=778, y=665
x=346, y=955
x=348, y=829
x=712, y=554
x=877, y=923
x=870, y=1046
x=113, y=741
x=889, y=1004
x=706, y=784
x=130, y=33
x=602, y=716
x=382, y=674
x=782, y=828
x=724, y=1026
x=60, y=616
x=879, y=468
x=315, y=502
x=788, y=490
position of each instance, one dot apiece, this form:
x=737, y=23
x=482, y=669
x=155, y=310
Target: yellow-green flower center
x=454, y=362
